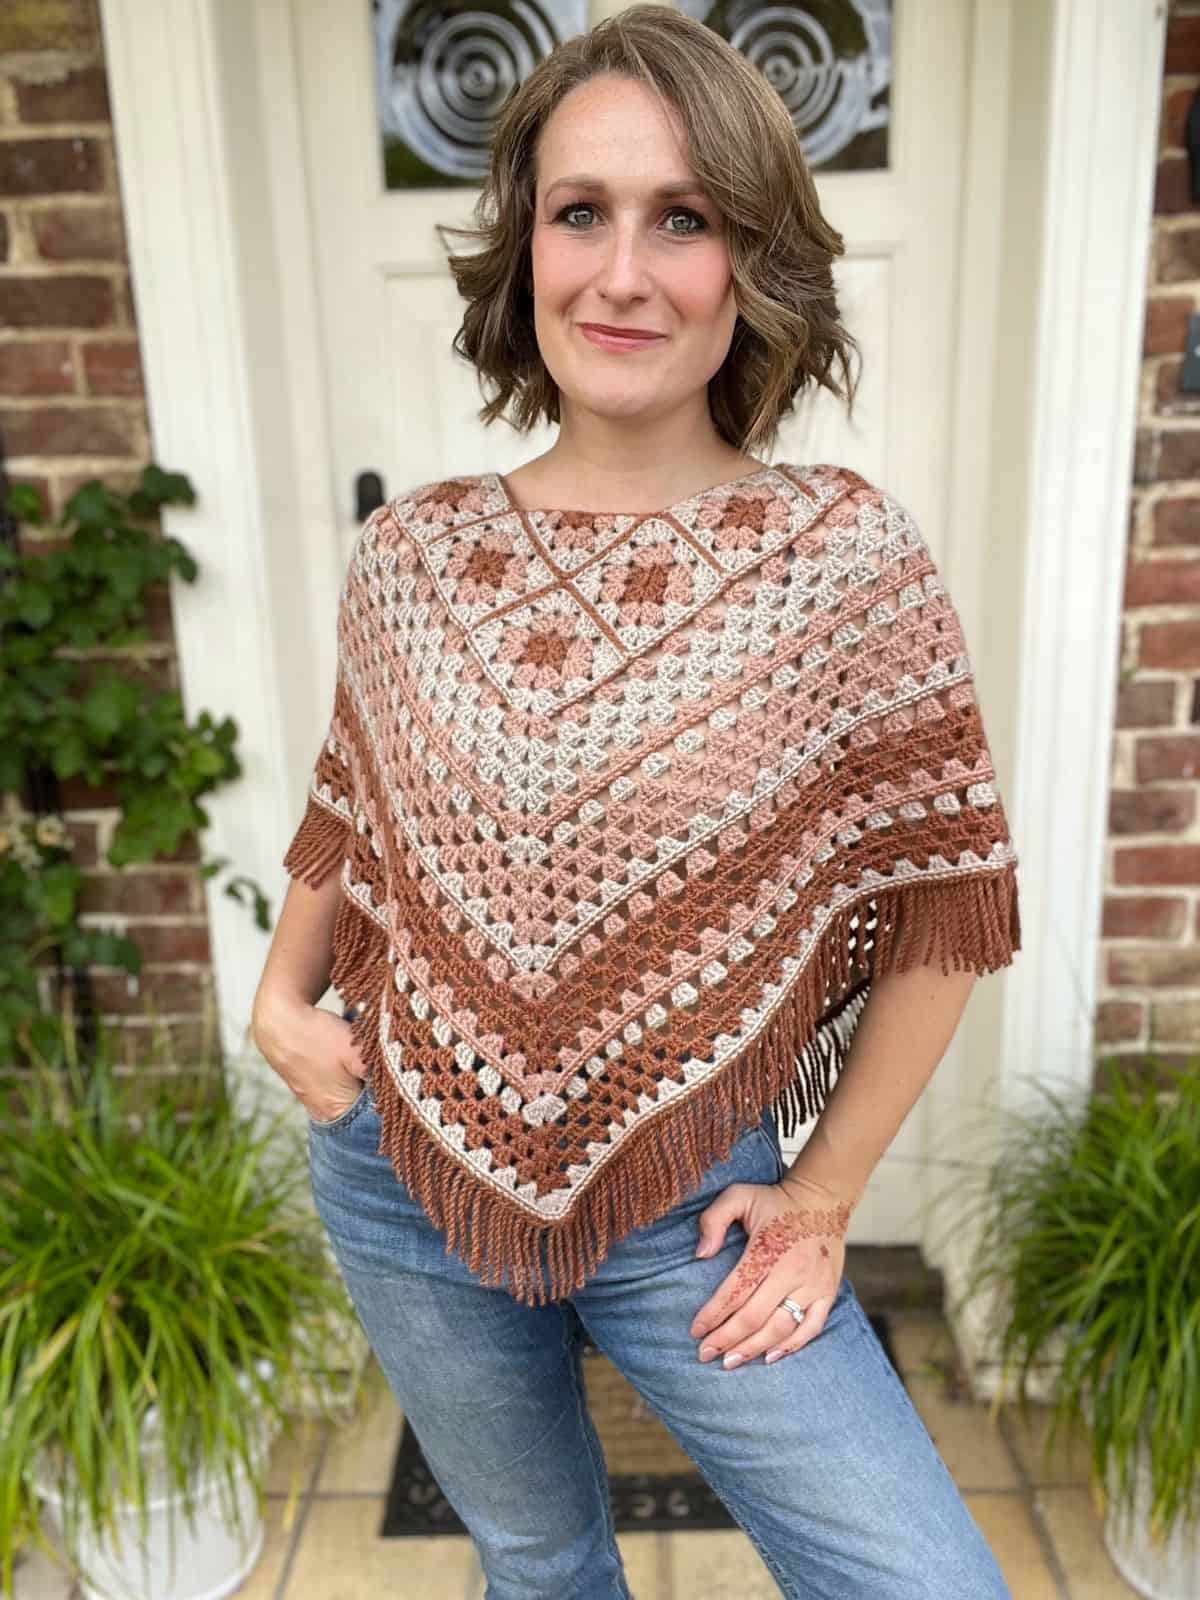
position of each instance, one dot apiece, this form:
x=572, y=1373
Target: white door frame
x=206, y=107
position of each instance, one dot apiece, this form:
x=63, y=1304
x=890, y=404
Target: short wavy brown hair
x=744, y=148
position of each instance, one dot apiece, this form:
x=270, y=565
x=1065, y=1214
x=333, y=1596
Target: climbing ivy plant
x=77, y=700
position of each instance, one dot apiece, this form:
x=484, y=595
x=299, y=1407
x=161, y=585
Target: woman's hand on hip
x=795, y=1250
x=312, y=1051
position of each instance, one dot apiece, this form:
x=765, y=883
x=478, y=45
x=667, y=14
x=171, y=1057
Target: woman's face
x=622, y=236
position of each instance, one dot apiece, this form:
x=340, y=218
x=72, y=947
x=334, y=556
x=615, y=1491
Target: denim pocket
x=344, y=1118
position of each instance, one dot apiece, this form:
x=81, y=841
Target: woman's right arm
x=310, y=1048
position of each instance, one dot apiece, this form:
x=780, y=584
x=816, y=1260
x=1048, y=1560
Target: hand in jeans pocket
x=311, y=1050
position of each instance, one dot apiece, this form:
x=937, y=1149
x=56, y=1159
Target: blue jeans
x=821, y=1458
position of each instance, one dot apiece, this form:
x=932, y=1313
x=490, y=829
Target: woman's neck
x=616, y=472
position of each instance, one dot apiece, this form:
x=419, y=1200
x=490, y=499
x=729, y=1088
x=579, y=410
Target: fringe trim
x=317, y=845
x=960, y=923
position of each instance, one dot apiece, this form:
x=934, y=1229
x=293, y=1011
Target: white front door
x=402, y=405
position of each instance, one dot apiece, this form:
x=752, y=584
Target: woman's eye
x=566, y=210
x=676, y=211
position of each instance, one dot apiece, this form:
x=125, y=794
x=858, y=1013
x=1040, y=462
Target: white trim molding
x=1099, y=149
x=214, y=202
x=1096, y=229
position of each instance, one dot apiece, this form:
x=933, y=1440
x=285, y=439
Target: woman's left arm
x=902, y=1034
x=796, y=1227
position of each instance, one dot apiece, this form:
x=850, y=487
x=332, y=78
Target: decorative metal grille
x=446, y=67
x=831, y=64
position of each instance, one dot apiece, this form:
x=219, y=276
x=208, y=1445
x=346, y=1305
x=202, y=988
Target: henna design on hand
x=777, y=1237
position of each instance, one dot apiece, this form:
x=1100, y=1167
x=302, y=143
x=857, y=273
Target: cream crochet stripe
x=627, y=811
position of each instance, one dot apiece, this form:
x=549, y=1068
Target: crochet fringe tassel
x=954, y=923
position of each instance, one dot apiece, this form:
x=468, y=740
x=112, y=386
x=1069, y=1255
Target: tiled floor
x=325, y=1500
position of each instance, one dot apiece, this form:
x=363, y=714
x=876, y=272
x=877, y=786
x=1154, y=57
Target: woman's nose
x=625, y=267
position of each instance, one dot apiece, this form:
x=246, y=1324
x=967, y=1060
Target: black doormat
x=653, y=1484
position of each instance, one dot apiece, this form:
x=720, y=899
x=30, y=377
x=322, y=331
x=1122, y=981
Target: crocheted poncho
x=627, y=811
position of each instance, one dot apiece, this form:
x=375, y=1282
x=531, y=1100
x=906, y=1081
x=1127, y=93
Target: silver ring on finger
x=796, y=1311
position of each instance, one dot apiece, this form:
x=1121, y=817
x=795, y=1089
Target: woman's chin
x=598, y=401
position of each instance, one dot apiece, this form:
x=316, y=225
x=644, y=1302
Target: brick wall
x=71, y=408
x=1150, y=973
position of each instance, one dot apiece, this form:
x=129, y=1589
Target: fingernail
x=733, y=1359
x=772, y=1355
x=707, y=1351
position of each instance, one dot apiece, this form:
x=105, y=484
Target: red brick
x=1183, y=45
x=1179, y=453
x=1178, y=255
x=1156, y=968
x=66, y=301
x=1175, y=864
x=154, y=993
x=46, y=542
x=160, y=941
x=1119, y=1019
x=1151, y=810
x=1166, y=324
x=188, y=849
x=1144, y=916
x=47, y=25
x=146, y=1045
x=1170, y=644
x=50, y=166
x=83, y=430
x=112, y=367
x=1145, y=705
x=140, y=894
x=159, y=620
x=79, y=233
x=1176, y=1022
x=1176, y=105
x=1162, y=583
x=1169, y=397
x=152, y=676
x=1177, y=521
x=80, y=96
x=119, y=480
x=75, y=795
x=1164, y=756
x=84, y=842
x=1173, y=186
x=36, y=366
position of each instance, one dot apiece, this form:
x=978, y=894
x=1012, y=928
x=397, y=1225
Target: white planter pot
x=202, y=1558
x=1166, y=1569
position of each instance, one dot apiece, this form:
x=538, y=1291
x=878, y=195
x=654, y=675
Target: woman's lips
x=619, y=341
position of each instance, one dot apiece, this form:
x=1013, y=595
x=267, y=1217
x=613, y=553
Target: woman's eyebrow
x=664, y=191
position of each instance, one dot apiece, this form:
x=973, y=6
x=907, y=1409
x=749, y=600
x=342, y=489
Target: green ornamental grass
x=150, y=1260
x=1090, y=1229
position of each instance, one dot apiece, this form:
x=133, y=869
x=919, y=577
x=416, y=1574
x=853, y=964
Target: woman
x=630, y=752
